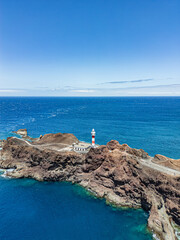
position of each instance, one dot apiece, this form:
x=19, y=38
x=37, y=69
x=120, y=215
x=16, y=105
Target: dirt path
x=52, y=146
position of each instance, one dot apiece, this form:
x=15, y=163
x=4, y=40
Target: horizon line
x=95, y=96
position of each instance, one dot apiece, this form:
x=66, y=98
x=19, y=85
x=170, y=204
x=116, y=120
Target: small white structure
x=81, y=147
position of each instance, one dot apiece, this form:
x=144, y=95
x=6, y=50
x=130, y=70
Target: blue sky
x=89, y=48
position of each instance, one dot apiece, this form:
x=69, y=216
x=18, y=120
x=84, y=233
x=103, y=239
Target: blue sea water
x=53, y=211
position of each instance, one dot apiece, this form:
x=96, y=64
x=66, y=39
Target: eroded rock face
x=113, y=171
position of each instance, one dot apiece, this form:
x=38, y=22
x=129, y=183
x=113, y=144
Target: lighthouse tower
x=93, y=133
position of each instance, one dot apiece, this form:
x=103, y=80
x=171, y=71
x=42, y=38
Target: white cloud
x=10, y=90
x=83, y=91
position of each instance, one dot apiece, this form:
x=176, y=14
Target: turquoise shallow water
x=53, y=211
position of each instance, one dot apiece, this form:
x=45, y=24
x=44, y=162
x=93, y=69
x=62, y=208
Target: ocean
x=62, y=211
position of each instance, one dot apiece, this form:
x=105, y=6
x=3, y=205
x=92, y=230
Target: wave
x=4, y=172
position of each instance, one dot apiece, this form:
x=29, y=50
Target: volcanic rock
x=65, y=138
x=122, y=175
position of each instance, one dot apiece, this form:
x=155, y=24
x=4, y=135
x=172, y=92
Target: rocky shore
x=122, y=175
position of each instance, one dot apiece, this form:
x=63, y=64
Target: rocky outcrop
x=65, y=138
x=21, y=132
x=113, y=171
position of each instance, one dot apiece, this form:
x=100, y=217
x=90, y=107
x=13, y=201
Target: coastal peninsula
x=122, y=175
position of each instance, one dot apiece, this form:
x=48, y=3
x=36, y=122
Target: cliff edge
x=122, y=175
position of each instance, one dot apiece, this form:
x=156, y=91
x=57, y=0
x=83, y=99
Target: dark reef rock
x=21, y=132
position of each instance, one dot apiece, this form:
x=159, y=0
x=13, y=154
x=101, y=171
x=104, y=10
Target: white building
x=81, y=147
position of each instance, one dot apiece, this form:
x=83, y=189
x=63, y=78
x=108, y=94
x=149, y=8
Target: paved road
x=160, y=168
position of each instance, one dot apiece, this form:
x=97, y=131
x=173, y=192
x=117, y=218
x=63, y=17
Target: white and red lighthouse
x=93, y=133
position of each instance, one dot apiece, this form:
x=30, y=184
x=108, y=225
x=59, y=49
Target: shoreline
x=124, y=177
x=112, y=205
x=91, y=195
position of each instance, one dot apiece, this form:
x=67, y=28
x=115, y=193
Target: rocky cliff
x=118, y=173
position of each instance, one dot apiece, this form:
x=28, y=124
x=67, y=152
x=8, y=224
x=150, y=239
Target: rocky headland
x=122, y=175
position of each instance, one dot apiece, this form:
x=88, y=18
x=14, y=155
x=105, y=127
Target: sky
x=89, y=48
